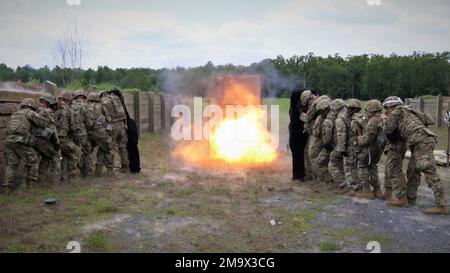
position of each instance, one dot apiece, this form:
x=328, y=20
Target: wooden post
x=151, y=112
x=421, y=104
x=448, y=137
x=137, y=110
x=439, y=111
x=163, y=112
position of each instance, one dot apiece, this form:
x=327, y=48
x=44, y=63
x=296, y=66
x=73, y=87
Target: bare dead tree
x=67, y=50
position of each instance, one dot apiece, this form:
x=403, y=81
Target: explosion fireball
x=240, y=139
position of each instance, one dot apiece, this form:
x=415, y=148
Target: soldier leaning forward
x=46, y=142
x=370, y=145
x=402, y=122
x=82, y=124
x=18, y=134
x=315, y=144
x=99, y=136
x=115, y=110
x=65, y=125
x=351, y=173
x=322, y=132
x=340, y=143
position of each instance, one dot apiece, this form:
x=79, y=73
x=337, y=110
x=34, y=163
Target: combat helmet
x=337, y=105
x=28, y=103
x=323, y=105
x=48, y=98
x=66, y=95
x=392, y=101
x=94, y=96
x=374, y=106
x=354, y=103
x=79, y=93
x=304, y=97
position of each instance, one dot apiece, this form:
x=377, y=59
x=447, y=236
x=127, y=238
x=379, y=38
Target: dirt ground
x=173, y=208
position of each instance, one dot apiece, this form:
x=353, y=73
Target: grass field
x=172, y=207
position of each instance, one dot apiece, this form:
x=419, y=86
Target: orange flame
x=240, y=140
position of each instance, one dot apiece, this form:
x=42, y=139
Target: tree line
x=362, y=76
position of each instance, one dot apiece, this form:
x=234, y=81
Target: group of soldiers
x=345, y=146
x=56, y=137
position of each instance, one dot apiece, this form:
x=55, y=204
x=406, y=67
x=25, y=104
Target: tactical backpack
x=79, y=127
x=19, y=124
x=63, y=120
x=99, y=120
x=119, y=112
x=426, y=119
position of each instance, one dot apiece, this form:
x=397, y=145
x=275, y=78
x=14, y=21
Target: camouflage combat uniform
x=313, y=126
x=395, y=153
x=18, y=134
x=46, y=142
x=340, y=142
x=323, y=160
x=83, y=123
x=322, y=132
x=358, y=123
x=371, y=145
x=351, y=173
x=65, y=122
x=422, y=141
x=115, y=110
x=99, y=136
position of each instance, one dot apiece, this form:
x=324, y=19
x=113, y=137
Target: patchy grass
x=104, y=205
x=329, y=246
x=97, y=242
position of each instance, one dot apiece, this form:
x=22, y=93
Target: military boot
x=74, y=179
x=353, y=192
x=401, y=202
x=387, y=194
x=125, y=169
x=412, y=201
x=436, y=210
x=365, y=193
x=378, y=194
x=7, y=189
x=98, y=171
x=31, y=184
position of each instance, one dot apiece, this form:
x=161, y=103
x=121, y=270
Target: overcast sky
x=170, y=33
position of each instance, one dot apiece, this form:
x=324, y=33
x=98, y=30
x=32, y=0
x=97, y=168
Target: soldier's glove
x=109, y=127
x=328, y=147
x=47, y=133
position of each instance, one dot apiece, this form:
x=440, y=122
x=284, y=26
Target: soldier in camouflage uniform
x=370, y=148
x=46, y=142
x=99, y=135
x=322, y=159
x=395, y=153
x=65, y=121
x=114, y=109
x=82, y=124
x=315, y=144
x=403, y=123
x=18, y=134
x=340, y=141
x=351, y=174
